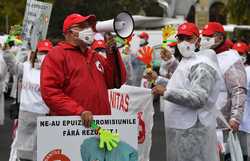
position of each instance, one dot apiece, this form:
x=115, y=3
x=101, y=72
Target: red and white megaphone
x=122, y=25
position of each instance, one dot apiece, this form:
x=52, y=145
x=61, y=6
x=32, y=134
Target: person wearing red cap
x=74, y=78
x=234, y=73
x=244, y=129
x=100, y=47
x=137, y=67
x=235, y=82
x=213, y=37
x=242, y=49
x=190, y=96
x=143, y=38
x=31, y=102
x=168, y=65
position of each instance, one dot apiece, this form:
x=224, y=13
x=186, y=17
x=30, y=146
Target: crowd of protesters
x=201, y=74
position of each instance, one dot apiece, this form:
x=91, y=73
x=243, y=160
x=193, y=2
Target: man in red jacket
x=74, y=78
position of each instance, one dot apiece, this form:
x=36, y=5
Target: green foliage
x=239, y=12
x=15, y=30
x=14, y=9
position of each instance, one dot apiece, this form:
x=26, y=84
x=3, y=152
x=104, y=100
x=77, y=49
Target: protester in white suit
x=244, y=129
x=191, y=94
x=234, y=88
x=31, y=102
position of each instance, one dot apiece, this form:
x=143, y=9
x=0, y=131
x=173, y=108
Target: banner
x=36, y=21
x=66, y=139
x=136, y=101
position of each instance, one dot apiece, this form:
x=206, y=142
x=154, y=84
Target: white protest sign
x=36, y=21
x=136, y=101
x=64, y=138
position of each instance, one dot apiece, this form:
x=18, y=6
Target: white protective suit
x=244, y=134
x=31, y=106
x=191, y=95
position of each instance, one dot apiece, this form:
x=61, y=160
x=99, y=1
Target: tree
x=103, y=9
x=14, y=10
x=239, y=12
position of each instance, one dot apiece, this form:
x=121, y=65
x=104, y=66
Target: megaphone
x=122, y=25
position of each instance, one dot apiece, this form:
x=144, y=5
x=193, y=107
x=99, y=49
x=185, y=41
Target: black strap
x=117, y=81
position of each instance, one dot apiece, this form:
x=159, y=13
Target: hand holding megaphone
x=110, y=41
x=122, y=25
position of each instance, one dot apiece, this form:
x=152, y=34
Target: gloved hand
x=109, y=139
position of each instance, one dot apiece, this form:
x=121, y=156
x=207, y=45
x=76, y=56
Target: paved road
x=158, y=137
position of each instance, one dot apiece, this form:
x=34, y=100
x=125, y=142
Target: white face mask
x=87, y=35
x=186, y=48
x=207, y=42
x=39, y=61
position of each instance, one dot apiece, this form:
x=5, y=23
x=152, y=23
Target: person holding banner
x=74, y=78
x=31, y=103
x=100, y=47
x=191, y=94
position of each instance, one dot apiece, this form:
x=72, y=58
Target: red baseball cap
x=76, y=18
x=172, y=44
x=44, y=45
x=188, y=29
x=211, y=28
x=241, y=47
x=98, y=44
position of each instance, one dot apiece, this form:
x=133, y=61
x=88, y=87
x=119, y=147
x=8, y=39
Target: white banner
x=139, y=101
x=65, y=139
x=36, y=21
